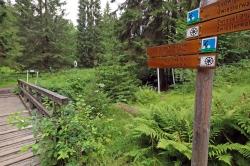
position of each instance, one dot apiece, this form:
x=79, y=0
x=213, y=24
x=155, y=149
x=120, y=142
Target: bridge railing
x=33, y=97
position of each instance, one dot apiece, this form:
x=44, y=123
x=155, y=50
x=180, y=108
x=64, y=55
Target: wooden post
x=163, y=80
x=204, y=85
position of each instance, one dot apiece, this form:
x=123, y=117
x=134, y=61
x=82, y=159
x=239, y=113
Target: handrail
x=34, y=94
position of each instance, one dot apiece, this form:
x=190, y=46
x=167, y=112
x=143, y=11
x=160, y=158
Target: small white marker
x=208, y=61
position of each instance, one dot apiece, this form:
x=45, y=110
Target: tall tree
x=144, y=23
x=88, y=46
x=43, y=34
x=9, y=41
x=110, y=45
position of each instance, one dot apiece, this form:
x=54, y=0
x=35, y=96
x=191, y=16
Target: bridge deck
x=11, y=139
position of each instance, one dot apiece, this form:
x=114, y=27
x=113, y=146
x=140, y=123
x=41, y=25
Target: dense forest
x=115, y=116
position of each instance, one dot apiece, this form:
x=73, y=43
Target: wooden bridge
x=12, y=139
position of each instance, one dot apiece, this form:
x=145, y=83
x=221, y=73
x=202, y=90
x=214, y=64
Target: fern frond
x=227, y=159
x=223, y=149
x=182, y=147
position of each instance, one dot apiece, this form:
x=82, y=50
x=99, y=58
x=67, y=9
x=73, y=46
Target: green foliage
x=118, y=82
x=88, y=38
x=234, y=47
x=19, y=120
x=10, y=46
x=92, y=132
x=47, y=38
x=69, y=137
x=9, y=76
x=146, y=95
x=110, y=45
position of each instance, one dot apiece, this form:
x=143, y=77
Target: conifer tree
x=43, y=32
x=88, y=46
x=9, y=41
x=110, y=45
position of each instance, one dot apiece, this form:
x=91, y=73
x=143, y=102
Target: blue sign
x=193, y=16
x=209, y=44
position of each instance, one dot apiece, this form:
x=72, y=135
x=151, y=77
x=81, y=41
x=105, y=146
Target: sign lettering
x=188, y=61
x=232, y=23
x=223, y=8
x=184, y=48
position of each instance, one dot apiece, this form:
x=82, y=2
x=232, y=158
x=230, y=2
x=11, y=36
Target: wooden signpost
x=215, y=17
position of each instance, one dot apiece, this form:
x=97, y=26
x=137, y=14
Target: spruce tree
x=110, y=45
x=9, y=41
x=88, y=46
x=43, y=34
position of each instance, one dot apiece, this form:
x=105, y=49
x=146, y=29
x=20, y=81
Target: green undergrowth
x=151, y=129
x=8, y=77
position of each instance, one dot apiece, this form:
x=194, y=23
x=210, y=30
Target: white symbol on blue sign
x=193, y=16
x=209, y=44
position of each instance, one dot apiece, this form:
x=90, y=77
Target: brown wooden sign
x=184, y=48
x=188, y=61
x=232, y=23
x=223, y=8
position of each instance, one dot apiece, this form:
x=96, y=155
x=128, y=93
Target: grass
x=230, y=86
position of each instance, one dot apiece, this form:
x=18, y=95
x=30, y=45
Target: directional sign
x=193, y=32
x=184, y=48
x=209, y=45
x=221, y=8
x=193, y=16
x=227, y=24
x=188, y=61
x=232, y=23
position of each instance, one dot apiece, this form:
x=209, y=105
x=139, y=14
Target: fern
x=183, y=148
x=227, y=159
x=223, y=149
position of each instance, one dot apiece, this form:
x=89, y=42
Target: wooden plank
x=184, y=48
x=11, y=142
x=59, y=99
x=188, y=61
x=222, y=8
x=38, y=105
x=204, y=84
x=232, y=23
x=18, y=159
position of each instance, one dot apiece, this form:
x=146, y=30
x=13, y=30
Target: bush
x=118, y=82
x=146, y=95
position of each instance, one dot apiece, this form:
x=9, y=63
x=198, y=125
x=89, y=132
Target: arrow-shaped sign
x=185, y=48
x=227, y=24
x=189, y=61
x=221, y=8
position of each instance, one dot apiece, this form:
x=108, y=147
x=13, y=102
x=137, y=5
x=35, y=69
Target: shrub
x=146, y=95
x=118, y=82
